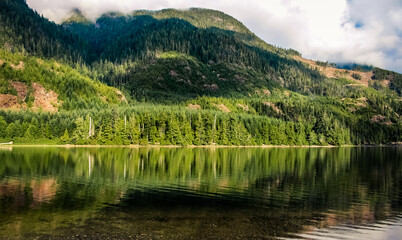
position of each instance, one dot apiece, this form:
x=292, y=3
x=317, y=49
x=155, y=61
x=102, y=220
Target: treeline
x=159, y=126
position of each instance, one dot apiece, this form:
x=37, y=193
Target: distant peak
x=76, y=16
x=112, y=14
x=76, y=11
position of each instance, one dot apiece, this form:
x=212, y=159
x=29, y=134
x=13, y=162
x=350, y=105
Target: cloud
x=361, y=31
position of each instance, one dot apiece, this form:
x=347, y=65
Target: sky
x=340, y=31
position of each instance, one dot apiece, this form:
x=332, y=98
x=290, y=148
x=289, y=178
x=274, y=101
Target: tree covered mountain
x=194, y=76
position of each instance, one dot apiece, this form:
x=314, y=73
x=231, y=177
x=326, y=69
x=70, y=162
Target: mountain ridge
x=191, y=77
x=211, y=19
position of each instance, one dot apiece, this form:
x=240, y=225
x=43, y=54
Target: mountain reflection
x=269, y=192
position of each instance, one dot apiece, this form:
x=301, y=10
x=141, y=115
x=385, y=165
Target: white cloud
x=319, y=29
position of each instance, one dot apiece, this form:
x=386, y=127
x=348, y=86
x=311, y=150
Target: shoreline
x=194, y=146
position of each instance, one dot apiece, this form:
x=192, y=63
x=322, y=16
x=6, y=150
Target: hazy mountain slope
x=216, y=40
x=23, y=30
x=207, y=18
x=139, y=38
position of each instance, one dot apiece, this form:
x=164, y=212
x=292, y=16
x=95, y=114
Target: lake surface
x=197, y=193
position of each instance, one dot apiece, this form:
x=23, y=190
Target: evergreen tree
x=173, y=133
x=32, y=132
x=301, y=134
x=188, y=134
x=133, y=128
x=233, y=131
x=223, y=132
x=80, y=134
x=312, y=138
x=11, y=131
x=121, y=133
x=199, y=131
x=66, y=137
x=154, y=135
x=18, y=129
x=3, y=127
x=290, y=133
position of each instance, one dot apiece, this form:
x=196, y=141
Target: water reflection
x=201, y=193
x=390, y=229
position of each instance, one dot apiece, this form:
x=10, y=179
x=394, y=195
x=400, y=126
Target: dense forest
x=175, y=77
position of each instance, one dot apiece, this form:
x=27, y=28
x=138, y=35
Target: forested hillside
x=23, y=30
x=27, y=82
x=191, y=77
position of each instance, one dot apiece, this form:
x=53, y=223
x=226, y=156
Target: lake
x=200, y=193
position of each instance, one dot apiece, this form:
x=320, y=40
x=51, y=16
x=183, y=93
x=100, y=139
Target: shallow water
x=197, y=193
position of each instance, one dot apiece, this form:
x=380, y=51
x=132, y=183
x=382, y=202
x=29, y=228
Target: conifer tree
x=199, y=131
x=11, y=130
x=312, y=138
x=3, y=127
x=154, y=135
x=133, y=128
x=173, y=133
x=66, y=137
x=80, y=133
x=223, y=132
x=233, y=131
x=32, y=132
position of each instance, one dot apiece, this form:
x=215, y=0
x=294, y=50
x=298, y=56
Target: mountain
x=29, y=79
x=28, y=82
x=228, y=59
x=23, y=30
x=223, y=52
x=195, y=76
x=77, y=17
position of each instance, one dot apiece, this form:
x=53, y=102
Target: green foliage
x=23, y=30
x=242, y=90
x=3, y=127
x=66, y=137
x=395, y=78
x=74, y=89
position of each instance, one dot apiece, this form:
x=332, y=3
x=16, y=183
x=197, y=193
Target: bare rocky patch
x=121, y=96
x=173, y=73
x=217, y=19
x=266, y=92
x=45, y=100
x=240, y=78
x=244, y=107
x=211, y=87
x=231, y=27
x=8, y=101
x=194, y=107
x=274, y=107
x=331, y=72
x=385, y=83
x=381, y=119
x=21, y=88
x=20, y=66
x=222, y=107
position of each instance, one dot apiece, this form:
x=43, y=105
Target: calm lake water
x=196, y=193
